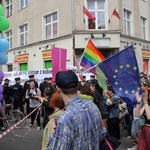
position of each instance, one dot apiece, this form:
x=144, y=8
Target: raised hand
x=138, y=97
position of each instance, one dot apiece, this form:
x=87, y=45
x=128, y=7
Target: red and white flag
x=115, y=13
x=88, y=14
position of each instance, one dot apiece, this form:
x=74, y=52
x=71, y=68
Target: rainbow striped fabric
x=109, y=102
x=91, y=57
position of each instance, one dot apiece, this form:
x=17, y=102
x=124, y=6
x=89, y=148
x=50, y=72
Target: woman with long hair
x=58, y=104
x=113, y=118
x=143, y=108
x=48, y=92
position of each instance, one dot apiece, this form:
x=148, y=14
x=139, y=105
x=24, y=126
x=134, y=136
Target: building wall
x=73, y=23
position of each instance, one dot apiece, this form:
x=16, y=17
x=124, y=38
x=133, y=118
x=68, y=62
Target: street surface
x=32, y=141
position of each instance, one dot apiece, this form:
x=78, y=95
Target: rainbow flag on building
x=91, y=57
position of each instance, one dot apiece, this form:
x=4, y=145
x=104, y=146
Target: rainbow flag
x=91, y=57
x=40, y=98
x=109, y=102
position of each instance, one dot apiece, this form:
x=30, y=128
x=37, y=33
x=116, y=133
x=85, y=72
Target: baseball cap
x=31, y=76
x=84, y=77
x=92, y=76
x=17, y=79
x=46, y=78
x=66, y=79
x=6, y=79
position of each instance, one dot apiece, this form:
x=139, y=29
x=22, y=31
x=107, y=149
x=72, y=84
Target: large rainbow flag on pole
x=90, y=59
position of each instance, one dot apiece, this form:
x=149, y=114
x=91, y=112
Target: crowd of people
x=73, y=111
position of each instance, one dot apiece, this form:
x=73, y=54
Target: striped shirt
x=80, y=127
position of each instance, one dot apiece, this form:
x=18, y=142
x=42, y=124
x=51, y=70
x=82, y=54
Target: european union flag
x=122, y=72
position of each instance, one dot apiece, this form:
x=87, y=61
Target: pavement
x=32, y=139
x=125, y=142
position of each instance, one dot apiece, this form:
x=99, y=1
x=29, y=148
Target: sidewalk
x=125, y=143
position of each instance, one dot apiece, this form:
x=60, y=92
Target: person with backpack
x=32, y=95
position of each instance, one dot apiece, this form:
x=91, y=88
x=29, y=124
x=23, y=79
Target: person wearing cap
x=7, y=94
x=92, y=77
x=26, y=86
x=17, y=94
x=42, y=86
x=49, y=81
x=80, y=126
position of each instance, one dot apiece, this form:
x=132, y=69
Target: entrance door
x=48, y=64
x=23, y=67
x=145, y=66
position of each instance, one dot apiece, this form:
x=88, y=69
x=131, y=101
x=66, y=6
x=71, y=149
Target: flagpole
x=89, y=69
x=75, y=59
x=111, y=16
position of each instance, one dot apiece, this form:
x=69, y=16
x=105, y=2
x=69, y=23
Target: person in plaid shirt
x=80, y=127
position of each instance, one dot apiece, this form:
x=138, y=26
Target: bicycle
x=13, y=116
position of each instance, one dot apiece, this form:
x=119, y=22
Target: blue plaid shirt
x=80, y=127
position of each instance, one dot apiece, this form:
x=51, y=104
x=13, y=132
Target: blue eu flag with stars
x=122, y=72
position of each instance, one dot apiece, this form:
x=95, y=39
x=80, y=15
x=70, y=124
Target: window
x=10, y=67
x=23, y=4
x=23, y=35
x=97, y=8
x=8, y=8
x=51, y=25
x=143, y=28
x=127, y=22
x=9, y=37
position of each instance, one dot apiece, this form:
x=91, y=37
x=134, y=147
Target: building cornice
x=39, y=43
x=134, y=38
x=97, y=32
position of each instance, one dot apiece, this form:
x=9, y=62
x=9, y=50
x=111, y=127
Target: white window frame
x=8, y=35
x=50, y=23
x=25, y=4
x=8, y=7
x=96, y=11
x=143, y=27
x=126, y=21
x=24, y=33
